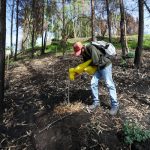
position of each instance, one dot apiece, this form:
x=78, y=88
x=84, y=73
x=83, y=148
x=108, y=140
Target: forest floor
x=46, y=111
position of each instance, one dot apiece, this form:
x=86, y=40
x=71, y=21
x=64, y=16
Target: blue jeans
x=106, y=74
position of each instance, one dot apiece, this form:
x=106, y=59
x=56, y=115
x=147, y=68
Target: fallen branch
x=15, y=146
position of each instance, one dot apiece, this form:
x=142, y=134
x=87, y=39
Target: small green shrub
x=131, y=54
x=123, y=62
x=133, y=133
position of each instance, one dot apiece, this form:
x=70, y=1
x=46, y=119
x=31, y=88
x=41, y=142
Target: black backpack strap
x=101, y=48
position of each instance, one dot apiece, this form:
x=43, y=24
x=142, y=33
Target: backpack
x=107, y=48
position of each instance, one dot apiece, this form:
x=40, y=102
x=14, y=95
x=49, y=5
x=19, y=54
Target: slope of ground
x=45, y=111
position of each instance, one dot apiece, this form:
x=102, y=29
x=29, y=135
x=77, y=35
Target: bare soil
x=46, y=111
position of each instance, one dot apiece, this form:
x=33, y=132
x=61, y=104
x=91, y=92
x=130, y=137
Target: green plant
x=123, y=62
x=133, y=133
x=131, y=54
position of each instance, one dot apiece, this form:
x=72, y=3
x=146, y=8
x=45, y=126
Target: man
x=104, y=71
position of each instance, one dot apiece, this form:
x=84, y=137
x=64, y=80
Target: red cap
x=77, y=48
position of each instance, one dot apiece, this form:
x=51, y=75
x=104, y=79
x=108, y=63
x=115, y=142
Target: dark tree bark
x=123, y=30
x=138, y=52
x=108, y=20
x=93, y=20
x=2, y=48
x=46, y=30
x=33, y=28
x=42, y=49
x=63, y=34
x=11, y=30
x=17, y=13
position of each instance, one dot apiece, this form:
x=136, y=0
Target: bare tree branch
x=147, y=6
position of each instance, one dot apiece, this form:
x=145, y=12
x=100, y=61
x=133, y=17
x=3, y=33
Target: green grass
x=132, y=42
x=55, y=46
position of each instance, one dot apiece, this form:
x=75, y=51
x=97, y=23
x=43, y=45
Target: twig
x=49, y=125
x=24, y=136
x=14, y=146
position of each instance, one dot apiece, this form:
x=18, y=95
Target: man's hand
x=76, y=75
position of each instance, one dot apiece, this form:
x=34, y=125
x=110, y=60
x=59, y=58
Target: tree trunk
x=93, y=20
x=2, y=49
x=33, y=29
x=42, y=48
x=32, y=43
x=126, y=41
x=108, y=20
x=123, y=30
x=25, y=34
x=138, y=52
x=11, y=30
x=74, y=22
x=17, y=12
x=45, y=40
x=46, y=30
x=63, y=34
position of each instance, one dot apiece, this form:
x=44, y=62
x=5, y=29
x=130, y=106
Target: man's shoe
x=91, y=108
x=114, y=110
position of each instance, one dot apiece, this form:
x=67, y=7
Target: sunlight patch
x=69, y=108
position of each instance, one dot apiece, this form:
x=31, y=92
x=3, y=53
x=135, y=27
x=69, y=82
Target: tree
x=93, y=20
x=30, y=19
x=148, y=9
x=33, y=28
x=131, y=24
x=43, y=11
x=25, y=23
x=2, y=48
x=11, y=32
x=123, y=30
x=108, y=20
x=138, y=52
x=63, y=33
x=17, y=27
x=102, y=24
